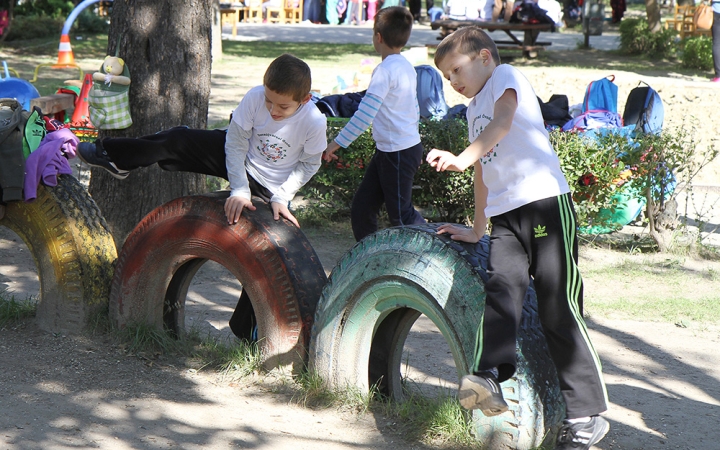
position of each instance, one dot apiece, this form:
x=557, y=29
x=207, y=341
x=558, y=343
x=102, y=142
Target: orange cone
x=81, y=115
x=65, y=54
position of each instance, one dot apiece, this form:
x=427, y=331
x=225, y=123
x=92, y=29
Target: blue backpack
x=644, y=109
x=431, y=98
x=602, y=95
x=599, y=108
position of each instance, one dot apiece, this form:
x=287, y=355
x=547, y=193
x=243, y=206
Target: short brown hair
x=288, y=75
x=394, y=25
x=468, y=41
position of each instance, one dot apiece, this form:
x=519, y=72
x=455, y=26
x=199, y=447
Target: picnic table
x=529, y=43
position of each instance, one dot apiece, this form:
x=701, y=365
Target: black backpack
x=12, y=162
x=644, y=109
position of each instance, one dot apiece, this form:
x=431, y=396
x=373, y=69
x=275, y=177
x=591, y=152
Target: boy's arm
x=498, y=128
x=360, y=121
x=237, y=143
x=306, y=167
x=477, y=231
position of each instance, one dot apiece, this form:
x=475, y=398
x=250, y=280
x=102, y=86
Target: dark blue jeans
x=388, y=180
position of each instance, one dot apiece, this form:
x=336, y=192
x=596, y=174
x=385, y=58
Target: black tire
x=378, y=290
x=273, y=260
x=73, y=250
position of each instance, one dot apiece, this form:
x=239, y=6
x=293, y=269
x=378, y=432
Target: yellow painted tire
x=73, y=250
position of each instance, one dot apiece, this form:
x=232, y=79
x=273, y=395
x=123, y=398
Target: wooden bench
x=53, y=104
x=529, y=43
x=682, y=22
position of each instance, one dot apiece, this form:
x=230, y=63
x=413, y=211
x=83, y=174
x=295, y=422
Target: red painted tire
x=272, y=259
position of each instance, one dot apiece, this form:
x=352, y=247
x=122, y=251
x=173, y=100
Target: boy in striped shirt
x=390, y=105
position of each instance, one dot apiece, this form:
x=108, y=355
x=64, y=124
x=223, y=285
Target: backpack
x=602, y=95
x=12, y=162
x=644, y=109
x=430, y=95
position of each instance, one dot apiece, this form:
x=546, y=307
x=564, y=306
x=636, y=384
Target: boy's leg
x=367, y=201
x=177, y=149
x=495, y=357
x=397, y=174
x=560, y=302
x=505, y=290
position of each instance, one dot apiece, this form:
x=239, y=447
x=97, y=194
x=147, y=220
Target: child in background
x=519, y=185
x=390, y=105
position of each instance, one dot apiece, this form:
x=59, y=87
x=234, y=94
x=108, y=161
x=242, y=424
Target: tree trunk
x=166, y=46
x=652, y=8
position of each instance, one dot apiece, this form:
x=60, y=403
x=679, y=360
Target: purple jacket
x=49, y=160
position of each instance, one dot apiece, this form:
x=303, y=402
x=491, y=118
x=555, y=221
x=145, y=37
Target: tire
x=73, y=250
x=378, y=290
x=272, y=259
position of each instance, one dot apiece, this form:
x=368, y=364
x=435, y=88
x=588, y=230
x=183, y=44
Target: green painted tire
x=383, y=284
x=73, y=250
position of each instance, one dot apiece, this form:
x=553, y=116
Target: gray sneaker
x=94, y=155
x=482, y=391
x=582, y=436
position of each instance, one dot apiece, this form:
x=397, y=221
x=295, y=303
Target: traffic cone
x=81, y=115
x=65, y=54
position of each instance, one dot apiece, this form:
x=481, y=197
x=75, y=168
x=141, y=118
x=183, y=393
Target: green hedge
x=592, y=167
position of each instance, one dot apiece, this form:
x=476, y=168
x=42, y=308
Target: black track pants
x=538, y=240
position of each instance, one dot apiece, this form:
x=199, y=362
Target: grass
x=13, y=311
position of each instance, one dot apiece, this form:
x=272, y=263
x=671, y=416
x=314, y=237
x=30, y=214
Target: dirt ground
x=61, y=392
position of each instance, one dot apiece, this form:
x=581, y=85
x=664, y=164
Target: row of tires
x=350, y=328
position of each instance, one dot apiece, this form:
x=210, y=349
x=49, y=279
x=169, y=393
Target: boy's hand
x=329, y=153
x=458, y=233
x=234, y=206
x=442, y=160
x=280, y=209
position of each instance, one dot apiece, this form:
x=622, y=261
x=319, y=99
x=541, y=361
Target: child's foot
x=582, y=435
x=95, y=156
x=482, y=391
x=716, y=80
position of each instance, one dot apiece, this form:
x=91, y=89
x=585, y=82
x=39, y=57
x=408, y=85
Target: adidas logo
x=539, y=231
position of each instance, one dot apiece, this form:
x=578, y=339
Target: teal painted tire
x=378, y=290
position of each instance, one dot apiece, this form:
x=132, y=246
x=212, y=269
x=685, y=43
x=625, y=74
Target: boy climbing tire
x=378, y=290
x=73, y=250
x=272, y=259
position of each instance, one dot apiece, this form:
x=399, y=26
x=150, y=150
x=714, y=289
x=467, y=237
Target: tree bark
x=166, y=46
x=652, y=9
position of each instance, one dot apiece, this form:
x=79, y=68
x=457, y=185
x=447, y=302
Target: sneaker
x=95, y=156
x=716, y=80
x=582, y=435
x=482, y=391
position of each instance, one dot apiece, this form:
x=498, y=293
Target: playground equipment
x=66, y=58
x=273, y=260
x=73, y=250
x=20, y=90
x=384, y=283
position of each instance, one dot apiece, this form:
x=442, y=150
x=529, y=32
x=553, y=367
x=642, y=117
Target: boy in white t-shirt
x=272, y=147
x=520, y=186
x=390, y=104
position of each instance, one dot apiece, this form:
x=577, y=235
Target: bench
x=53, y=104
x=529, y=43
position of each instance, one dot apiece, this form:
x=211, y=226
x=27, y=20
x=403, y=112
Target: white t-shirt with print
x=276, y=148
x=395, y=126
x=522, y=167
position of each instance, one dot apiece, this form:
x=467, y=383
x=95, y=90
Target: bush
x=89, y=22
x=599, y=169
x=697, y=53
x=34, y=27
x=56, y=9
x=637, y=39
x=446, y=197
